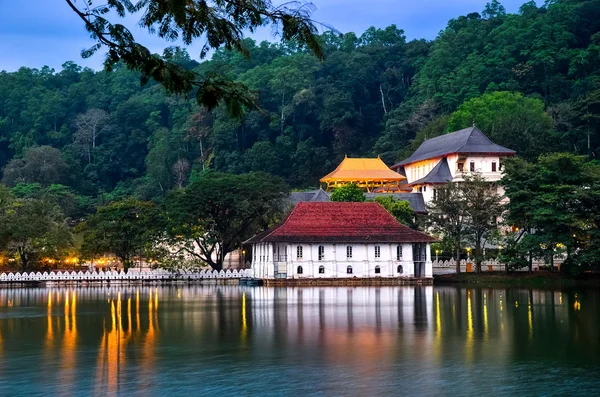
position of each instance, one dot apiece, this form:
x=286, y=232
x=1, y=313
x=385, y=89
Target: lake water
x=226, y=340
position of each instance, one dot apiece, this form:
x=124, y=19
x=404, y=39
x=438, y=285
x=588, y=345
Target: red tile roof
x=313, y=222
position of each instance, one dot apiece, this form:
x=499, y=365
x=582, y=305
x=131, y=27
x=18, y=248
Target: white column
x=407, y=260
x=428, y=263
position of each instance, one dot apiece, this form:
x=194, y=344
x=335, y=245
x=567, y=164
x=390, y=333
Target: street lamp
x=468, y=254
x=437, y=252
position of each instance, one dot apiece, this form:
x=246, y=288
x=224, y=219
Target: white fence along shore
x=121, y=276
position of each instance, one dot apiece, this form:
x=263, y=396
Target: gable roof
x=415, y=200
x=318, y=195
x=439, y=174
x=363, y=169
x=468, y=140
x=341, y=222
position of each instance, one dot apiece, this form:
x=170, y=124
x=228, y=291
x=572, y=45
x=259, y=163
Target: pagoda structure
x=370, y=174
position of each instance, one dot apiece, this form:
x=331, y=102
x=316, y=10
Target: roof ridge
x=468, y=136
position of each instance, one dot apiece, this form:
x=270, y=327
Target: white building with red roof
x=340, y=240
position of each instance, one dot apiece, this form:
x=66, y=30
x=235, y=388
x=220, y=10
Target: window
x=321, y=269
x=472, y=166
x=349, y=252
x=377, y=269
x=399, y=253
x=377, y=251
x=493, y=166
x=435, y=194
x=424, y=188
x=400, y=269
x=299, y=252
x=460, y=166
x=349, y=270
x=300, y=270
x=321, y=252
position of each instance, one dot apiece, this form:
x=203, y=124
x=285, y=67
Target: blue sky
x=35, y=33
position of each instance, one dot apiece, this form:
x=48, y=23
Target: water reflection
x=113, y=340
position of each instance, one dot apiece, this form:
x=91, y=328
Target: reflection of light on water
x=69, y=341
x=244, y=322
x=113, y=352
x=438, y=327
x=49, y=316
x=530, y=318
x=438, y=316
x=137, y=309
x=470, y=339
x=485, y=317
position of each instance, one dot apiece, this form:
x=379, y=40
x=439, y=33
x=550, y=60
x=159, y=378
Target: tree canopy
x=216, y=212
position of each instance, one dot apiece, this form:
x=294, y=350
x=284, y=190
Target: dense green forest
x=530, y=80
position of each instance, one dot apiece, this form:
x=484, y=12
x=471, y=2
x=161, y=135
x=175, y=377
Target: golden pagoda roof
x=362, y=169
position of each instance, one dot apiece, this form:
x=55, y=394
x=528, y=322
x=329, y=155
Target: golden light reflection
x=137, y=309
x=530, y=318
x=68, y=362
x=485, y=317
x=49, y=334
x=244, y=321
x=470, y=331
x=438, y=315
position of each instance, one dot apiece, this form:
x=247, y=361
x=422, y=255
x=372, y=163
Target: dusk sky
x=35, y=33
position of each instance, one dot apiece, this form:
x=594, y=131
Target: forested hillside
x=531, y=81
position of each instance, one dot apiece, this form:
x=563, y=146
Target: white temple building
x=340, y=240
x=447, y=158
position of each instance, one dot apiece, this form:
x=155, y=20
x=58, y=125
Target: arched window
x=321, y=252
x=349, y=252
x=377, y=269
x=300, y=270
x=299, y=252
x=321, y=269
x=400, y=269
x=399, y=253
x=377, y=251
x=349, y=270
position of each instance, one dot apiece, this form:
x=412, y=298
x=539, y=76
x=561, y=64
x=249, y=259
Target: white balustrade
x=158, y=274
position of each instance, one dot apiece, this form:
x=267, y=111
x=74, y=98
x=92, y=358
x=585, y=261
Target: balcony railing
x=279, y=258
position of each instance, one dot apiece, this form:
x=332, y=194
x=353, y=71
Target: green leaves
x=124, y=228
x=557, y=200
x=221, y=22
x=216, y=212
x=349, y=193
x=509, y=119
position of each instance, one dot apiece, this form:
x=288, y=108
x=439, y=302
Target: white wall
x=335, y=261
x=483, y=165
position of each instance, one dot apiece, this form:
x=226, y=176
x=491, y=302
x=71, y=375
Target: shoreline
x=534, y=279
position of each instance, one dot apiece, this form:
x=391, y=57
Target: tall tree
x=483, y=212
x=42, y=164
x=509, y=119
x=123, y=228
x=216, y=212
x=88, y=127
x=32, y=228
x=447, y=216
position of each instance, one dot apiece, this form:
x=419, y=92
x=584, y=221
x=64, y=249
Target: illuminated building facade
x=340, y=240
